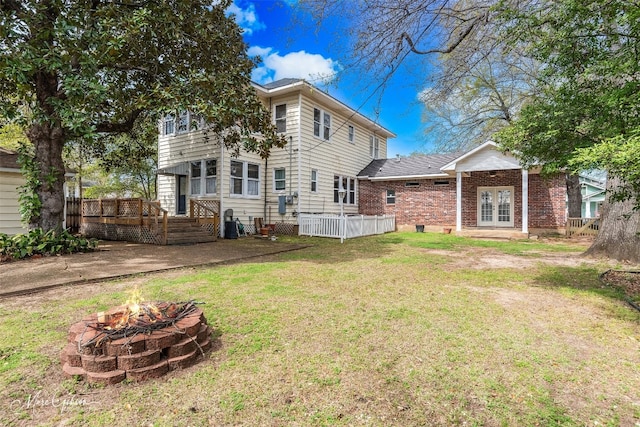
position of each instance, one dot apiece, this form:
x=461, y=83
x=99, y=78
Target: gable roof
x=413, y=167
x=290, y=86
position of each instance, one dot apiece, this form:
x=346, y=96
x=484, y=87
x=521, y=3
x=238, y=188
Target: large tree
x=72, y=70
x=590, y=104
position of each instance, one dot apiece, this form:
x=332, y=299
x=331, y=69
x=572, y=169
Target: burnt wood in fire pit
x=147, y=346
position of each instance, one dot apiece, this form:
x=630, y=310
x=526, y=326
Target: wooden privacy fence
x=73, y=214
x=582, y=227
x=345, y=227
x=134, y=220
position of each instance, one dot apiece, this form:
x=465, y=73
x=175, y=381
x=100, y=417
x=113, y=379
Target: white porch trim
x=458, y=201
x=525, y=201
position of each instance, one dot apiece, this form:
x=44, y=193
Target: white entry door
x=495, y=207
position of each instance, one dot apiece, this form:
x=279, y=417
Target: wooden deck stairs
x=185, y=230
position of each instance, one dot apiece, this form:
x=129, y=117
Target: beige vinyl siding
x=337, y=156
x=9, y=206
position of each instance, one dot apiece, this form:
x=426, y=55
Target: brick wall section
x=435, y=205
x=427, y=204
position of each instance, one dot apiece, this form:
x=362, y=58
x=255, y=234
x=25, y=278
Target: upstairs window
x=168, y=127
x=281, y=118
x=374, y=147
x=314, y=180
x=321, y=124
x=183, y=122
x=352, y=134
x=279, y=179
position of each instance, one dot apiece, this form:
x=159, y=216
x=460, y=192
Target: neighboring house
x=10, y=180
x=593, y=194
x=329, y=143
x=482, y=189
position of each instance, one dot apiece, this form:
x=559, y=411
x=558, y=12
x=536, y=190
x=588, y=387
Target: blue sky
x=290, y=46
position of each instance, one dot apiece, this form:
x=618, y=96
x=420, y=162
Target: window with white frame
x=352, y=134
x=374, y=146
x=203, y=175
x=279, y=179
x=196, y=177
x=245, y=179
x=314, y=181
x=321, y=124
x=168, y=127
x=211, y=177
x=391, y=197
x=182, y=125
x=348, y=184
x=281, y=118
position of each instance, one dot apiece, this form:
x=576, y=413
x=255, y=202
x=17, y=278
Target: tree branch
x=119, y=127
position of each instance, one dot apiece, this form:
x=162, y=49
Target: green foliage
x=40, y=242
x=75, y=71
x=589, y=87
x=30, y=203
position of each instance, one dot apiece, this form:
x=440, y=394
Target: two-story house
x=328, y=144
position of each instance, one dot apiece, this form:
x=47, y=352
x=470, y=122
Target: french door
x=495, y=207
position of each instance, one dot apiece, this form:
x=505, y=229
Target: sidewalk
x=119, y=259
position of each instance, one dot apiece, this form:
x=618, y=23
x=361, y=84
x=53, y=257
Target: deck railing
x=582, y=227
x=127, y=212
x=345, y=227
x=206, y=213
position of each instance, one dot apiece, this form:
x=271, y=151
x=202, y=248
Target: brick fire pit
x=101, y=349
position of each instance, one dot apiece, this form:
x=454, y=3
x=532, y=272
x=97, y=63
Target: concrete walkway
x=120, y=259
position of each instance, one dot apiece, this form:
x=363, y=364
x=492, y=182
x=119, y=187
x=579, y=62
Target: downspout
x=266, y=168
x=298, y=202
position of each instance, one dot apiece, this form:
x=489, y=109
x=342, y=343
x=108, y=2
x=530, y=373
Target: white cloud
x=299, y=65
x=247, y=18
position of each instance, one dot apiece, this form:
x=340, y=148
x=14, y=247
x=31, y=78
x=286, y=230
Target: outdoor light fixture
x=341, y=193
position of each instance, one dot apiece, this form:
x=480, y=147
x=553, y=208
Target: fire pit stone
x=109, y=346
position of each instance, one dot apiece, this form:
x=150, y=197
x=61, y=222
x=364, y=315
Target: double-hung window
x=352, y=134
x=196, y=175
x=245, y=179
x=314, y=180
x=279, y=179
x=183, y=122
x=348, y=184
x=391, y=197
x=203, y=175
x=321, y=124
x=211, y=176
x=374, y=146
x=281, y=118
x=169, y=124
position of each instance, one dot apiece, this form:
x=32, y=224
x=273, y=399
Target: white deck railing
x=345, y=227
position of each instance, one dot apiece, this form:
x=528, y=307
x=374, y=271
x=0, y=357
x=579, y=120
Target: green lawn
x=405, y=329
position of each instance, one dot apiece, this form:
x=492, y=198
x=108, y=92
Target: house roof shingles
x=414, y=166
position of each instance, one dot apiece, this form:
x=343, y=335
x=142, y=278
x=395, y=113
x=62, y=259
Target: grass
x=385, y=330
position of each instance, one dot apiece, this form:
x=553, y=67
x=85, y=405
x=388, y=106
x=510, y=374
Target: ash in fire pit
x=136, y=341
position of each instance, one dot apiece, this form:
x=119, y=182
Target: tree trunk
x=618, y=236
x=574, y=196
x=48, y=143
x=48, y=138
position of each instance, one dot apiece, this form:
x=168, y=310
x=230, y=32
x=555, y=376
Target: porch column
x=525, y=201
x=458, y=201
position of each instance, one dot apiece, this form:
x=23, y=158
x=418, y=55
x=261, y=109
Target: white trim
x=458, y=201
x=495, y=214
x=525, y=201
x=405, y=177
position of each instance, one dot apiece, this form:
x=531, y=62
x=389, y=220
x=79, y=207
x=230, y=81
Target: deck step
x=183, y=230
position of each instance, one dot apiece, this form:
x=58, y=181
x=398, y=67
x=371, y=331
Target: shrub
x=39, y=242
